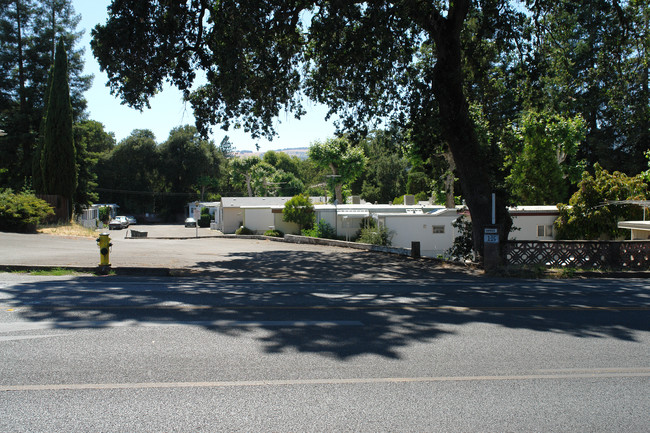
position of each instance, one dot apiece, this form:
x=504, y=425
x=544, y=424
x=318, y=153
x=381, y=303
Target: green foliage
x=299, y=210
x=385, y=173
x=58, y=158
x=105, y=214
x=244, y=231
x=545, y=165
x=345, y=161
x=91, y=142
x=274, y=233
x=241, y=172
x=322, y=230
x=417, y=63
x=28, y=33
x=129, y=174
x=462, y=248
x=22, y=212
x=588, y=216
x=375, y=236
x=205, y=219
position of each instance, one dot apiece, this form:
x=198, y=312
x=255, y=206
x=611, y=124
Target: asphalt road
x=389, y=352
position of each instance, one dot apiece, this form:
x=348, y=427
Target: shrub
x=299, y=210
x=375, y=236
x=322, y=230
x=22, y=212
x=274, y=233
x=244, y=231
x=105, y=214
x=205, y=219
x=463, y=247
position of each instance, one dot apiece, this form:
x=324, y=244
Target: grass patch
x=55, y=272
x=69, y=229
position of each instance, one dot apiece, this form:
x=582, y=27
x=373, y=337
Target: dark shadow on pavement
x=403, y=309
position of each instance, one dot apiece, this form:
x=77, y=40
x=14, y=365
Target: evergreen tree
x=58, y=158
x=28, y=31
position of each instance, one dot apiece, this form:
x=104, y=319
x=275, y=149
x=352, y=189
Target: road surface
x=450, y=353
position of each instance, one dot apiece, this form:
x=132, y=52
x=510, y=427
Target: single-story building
x=533, y=223
x=433, y=229
x=640, y=229
x=232, y=212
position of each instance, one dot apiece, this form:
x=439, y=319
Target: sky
x=169, y=111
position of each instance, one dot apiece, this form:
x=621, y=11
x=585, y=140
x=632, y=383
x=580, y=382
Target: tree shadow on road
x=339, y=305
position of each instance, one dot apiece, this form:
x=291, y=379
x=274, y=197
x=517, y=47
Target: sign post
x=491, y=250
x=196, y=215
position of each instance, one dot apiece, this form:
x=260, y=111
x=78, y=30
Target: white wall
x=528, y=226
x=258, y=219
x=232, y=218
x=419, y=227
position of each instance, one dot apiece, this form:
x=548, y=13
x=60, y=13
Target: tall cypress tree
x=58, y=158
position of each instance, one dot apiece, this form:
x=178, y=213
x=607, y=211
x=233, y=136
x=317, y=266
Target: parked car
x=190, y=222
x=118, y=223
x=131, y=220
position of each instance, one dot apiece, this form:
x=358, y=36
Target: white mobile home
x=433, y=229
x=232, y=210
x=533, y=223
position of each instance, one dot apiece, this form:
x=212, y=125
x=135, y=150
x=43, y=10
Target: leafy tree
x=589, y=216
x=385, y=174
x=287, y=184
x=241, y=171
x=542, y=171
x=345, y=161
x=129, y=175
x=364, y=59
x=58, y=159
x=299, y=210
x=91, y=142
x=282, y=161
x=592, y=58
x=427, y=65
x=184, y=159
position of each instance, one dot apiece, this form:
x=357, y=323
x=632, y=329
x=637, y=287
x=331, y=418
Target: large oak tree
x=365, y=60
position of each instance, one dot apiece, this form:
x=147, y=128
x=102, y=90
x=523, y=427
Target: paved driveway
x=224, y=256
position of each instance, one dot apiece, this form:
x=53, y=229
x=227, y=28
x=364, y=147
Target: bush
x=299, y=210
x=105, y=214
x=322, y=230
x=274, y=233
x=205, y=219
x=375, y=236
x=463, y=247
x=244, y=231
x=22, y=212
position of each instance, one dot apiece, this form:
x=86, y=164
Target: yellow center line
x=566, y=374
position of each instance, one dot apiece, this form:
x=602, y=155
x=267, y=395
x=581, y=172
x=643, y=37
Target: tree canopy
x=453, y=72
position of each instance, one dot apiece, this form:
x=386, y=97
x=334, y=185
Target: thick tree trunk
x=458, y=127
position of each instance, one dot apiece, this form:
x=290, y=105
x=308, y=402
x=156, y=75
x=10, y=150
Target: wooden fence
x=625, y=255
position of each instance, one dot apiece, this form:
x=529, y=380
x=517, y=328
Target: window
x=545, y=231
x=438, y=229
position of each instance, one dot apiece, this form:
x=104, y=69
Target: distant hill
x=300, y=152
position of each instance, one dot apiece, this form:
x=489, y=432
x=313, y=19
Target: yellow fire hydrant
x=104, y=243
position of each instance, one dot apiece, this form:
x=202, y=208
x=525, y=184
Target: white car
x=190, y=222
x=119, y=222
